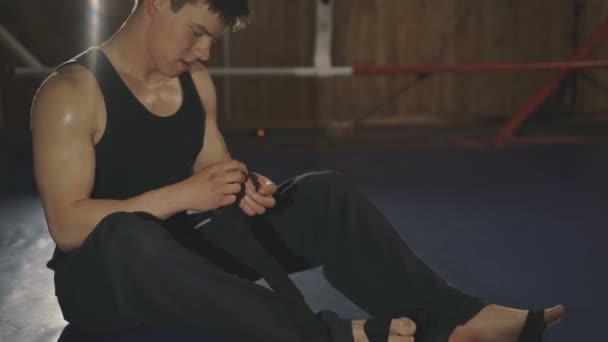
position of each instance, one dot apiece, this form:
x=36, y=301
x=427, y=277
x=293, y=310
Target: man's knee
x=119, y=255
x=120, y=226
x=135, y=236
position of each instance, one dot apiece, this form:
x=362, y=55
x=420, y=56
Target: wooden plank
x=593, y=102
x=381, y=32
x=281, y=34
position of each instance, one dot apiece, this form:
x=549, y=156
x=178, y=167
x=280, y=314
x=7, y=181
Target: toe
x=554, y=315
x=403, y=326
x=394, y=338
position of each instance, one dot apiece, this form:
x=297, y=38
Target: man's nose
x=202, y=49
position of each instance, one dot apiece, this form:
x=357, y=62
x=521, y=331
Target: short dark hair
x=234, y=13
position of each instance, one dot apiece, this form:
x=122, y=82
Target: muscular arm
x=214, y=147
x=64, y=126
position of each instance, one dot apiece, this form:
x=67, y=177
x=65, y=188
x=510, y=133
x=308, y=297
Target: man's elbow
x=63, y=225
x=67, y=246
x=65, y=241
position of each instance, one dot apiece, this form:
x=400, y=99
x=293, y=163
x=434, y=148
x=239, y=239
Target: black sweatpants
x=134, y=270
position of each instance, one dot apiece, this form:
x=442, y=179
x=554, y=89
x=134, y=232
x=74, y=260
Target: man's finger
x=230, y=189
x=246, y=208
x=258, y=208
x=228, y=199
x=234, y=177
x=266, y=201
x=267, y=187
x=270, y=188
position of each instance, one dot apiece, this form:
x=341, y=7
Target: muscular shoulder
x=69, y=97
x=206, y=89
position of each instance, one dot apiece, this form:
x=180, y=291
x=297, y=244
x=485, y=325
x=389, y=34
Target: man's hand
x=215, y=186
x=257, y=202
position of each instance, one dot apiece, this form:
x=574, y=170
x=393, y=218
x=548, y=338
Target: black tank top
x=140, y=151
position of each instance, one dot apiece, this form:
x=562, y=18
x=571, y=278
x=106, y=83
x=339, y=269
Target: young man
x=126, y=142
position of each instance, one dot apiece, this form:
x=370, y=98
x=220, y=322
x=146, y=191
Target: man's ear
x=153, y=7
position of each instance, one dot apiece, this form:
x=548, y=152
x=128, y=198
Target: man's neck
x=129, y=53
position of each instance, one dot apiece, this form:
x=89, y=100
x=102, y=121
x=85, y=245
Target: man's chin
x=172, y=73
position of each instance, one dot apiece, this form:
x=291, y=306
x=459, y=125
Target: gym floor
x=522, y=226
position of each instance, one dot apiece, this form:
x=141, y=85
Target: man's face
x=178, y=40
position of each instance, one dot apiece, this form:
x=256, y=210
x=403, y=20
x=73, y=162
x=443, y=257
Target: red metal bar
x=539, y=98
x=560, y=139
x=436, y=69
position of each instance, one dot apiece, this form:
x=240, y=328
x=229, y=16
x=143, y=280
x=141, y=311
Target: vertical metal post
x=322, y=57
x=323, y=40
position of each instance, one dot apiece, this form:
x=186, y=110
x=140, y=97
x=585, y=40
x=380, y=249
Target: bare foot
x=496, y=323
x=401, y=330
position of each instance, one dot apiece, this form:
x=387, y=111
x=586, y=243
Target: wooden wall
x=444, y=32
x=594, y=102
x=281, y=35
x=53, y=31
x=379, y=32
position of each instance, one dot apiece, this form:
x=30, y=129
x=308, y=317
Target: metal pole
x=530, y=107
x=323, y=41
x=24, y=56
x=18, y=49
x=233, y=72
x=325, y=10
x=465, y=68
x=349, y=71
